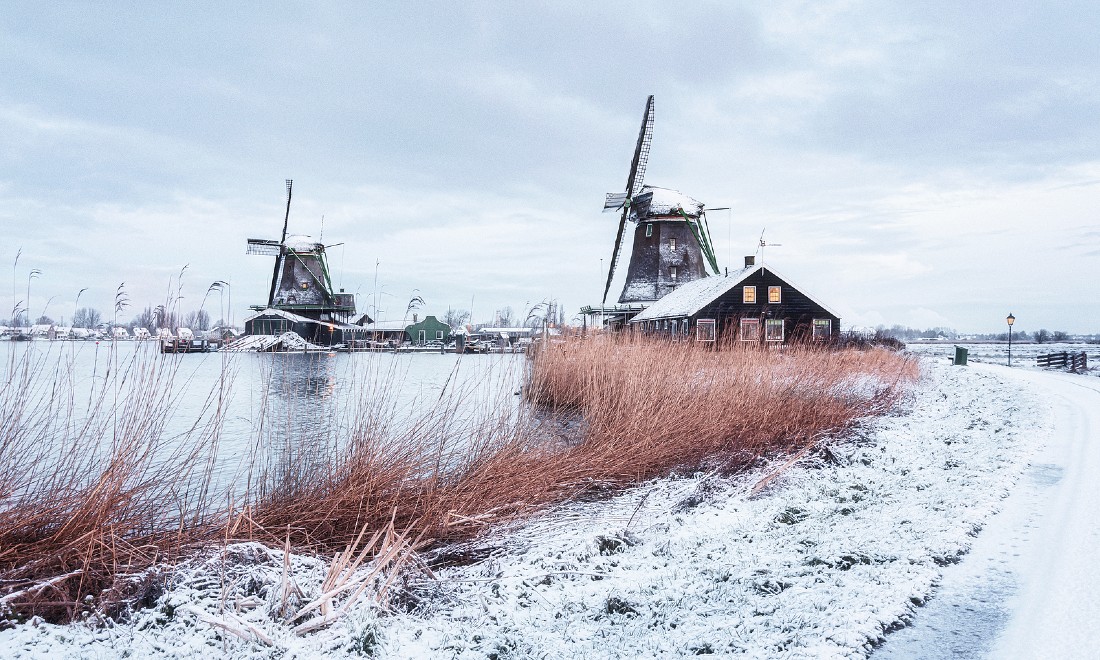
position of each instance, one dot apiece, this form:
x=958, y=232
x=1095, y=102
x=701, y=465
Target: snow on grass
x=835, y=552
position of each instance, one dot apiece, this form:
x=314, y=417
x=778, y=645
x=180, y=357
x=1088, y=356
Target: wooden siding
x=796, y=309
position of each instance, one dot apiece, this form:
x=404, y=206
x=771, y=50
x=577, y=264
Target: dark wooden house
x=754, y=304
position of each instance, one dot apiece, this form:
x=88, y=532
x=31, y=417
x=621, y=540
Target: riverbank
x=837, y=550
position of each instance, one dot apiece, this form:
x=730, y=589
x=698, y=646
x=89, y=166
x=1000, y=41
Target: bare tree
x=456, y=317
x=86, y=317
x=505, y=317
x=199, y=320
x=146, y=319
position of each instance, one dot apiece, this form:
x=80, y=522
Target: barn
x=754, y=304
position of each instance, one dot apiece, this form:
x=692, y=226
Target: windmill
x=300, y=281
x=672, y=243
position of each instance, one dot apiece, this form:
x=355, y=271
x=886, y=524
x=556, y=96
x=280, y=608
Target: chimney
x=750, y=261
x=414, y=317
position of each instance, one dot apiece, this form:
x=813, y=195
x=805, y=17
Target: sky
x=922, y=164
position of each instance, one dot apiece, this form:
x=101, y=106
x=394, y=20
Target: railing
x=1075, y=362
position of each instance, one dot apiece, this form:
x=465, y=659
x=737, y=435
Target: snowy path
x=1029, y=587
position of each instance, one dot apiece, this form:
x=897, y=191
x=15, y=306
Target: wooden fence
x=1075, y=362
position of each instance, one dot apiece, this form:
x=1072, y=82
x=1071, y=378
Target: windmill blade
x=263, y=247
x=641, y=152
x=614, y=201
x=615, y=253
x=289, y=187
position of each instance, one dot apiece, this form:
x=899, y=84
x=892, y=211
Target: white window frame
x=439, y=334
x=649, y=229
x=749, y=336
x=746, y=293
x=705, y=330
x=423, y=334
x=672, y=243
x=672, y=272
x=773, y=323
x=827, y=325
x=778, y=291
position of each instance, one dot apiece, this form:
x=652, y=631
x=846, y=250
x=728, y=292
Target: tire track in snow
x=1030, y=587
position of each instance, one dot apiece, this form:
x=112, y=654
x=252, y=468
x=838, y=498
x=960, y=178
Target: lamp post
x=1010, y=320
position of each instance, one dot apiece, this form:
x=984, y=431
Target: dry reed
x=117, y=498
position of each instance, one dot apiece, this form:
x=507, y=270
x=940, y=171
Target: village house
x=753, y=304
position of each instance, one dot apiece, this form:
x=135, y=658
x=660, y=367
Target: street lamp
x=1010, y=320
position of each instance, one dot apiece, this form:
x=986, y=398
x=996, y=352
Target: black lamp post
x=1010, y=320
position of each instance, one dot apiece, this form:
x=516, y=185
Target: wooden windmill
x=300, y=281
x=672, y=244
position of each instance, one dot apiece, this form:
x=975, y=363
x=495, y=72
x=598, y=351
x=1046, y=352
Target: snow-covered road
x=1030, y=587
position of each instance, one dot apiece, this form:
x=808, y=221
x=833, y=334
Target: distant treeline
x=1041, y=336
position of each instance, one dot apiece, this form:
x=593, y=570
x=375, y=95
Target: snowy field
x=840, y=550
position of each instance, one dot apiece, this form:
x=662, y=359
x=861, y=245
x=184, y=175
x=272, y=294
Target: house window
x=748, y=295
x=773, y=330
x=422, y=336
x=648, y=229
x=822, y=328
x=439, y=334
x=672, y=243
x=672, y=272
x=675, y=329
x=685, y=327
x=750, y=329
x=704, y=330
x=775, y=294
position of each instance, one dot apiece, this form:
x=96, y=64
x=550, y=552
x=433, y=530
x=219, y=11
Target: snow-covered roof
x=387, y=326
x=290, y=316
x=301, y=243
x=517, y=330
x=664, y=201
x=689, y=298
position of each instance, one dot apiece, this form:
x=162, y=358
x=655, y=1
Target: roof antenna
x=764, y=244
x=321, y=240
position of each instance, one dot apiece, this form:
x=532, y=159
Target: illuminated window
x=648, y=229
x=672, y=272
x=775, y=294
x=672, y=243
x=773, y=330
x=822, y=328
x=750, y=329
x=748, y=295
x=704, y=330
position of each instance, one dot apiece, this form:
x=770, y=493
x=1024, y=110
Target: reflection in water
x=277, y=417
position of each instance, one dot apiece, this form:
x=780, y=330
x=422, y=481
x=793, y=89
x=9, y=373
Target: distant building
x=430, y=329
x=753, y=304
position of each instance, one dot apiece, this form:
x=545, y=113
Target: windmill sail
x=633, y=186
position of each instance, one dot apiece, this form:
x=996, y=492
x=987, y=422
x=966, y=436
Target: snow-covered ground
x=841, y=548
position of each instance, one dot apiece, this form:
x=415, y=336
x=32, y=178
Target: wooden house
x=754, y=304
x=430, y=329
x=273, y=321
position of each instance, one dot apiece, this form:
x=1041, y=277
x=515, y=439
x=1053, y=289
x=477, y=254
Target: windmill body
x=671, y=245
x=665, y=252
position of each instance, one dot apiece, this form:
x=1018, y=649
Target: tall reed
x=95, y=490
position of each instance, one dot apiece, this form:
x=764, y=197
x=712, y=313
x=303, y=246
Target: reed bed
x=92, y=492
x=92, y=488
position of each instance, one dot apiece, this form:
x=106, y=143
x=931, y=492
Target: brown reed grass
x=118, y=498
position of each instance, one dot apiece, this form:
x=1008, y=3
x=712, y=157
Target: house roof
x=297, y=318
x=689, y=298
x=387, y=326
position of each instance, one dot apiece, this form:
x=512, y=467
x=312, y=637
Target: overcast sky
x=925, y=164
